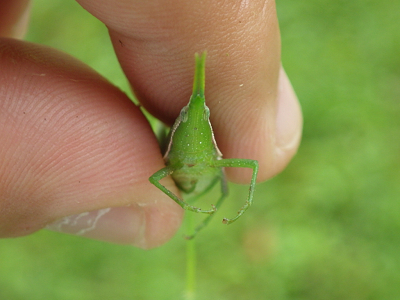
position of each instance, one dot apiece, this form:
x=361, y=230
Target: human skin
x=75, y=149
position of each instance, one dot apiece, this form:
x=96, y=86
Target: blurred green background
x=328, y=227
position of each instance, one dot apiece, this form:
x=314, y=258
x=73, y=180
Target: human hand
x=72, y=143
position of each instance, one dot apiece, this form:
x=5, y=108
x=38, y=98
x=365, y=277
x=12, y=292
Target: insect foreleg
x=241, y=163
x=164, y=172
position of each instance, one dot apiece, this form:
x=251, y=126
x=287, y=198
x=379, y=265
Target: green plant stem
x=190, y=293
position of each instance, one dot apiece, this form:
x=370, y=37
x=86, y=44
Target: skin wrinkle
x=43, y=145
x=78, y=142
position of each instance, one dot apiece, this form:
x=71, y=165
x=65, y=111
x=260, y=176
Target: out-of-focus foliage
x=327, y=228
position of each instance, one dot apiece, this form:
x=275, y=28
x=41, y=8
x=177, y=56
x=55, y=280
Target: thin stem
x=190, y=293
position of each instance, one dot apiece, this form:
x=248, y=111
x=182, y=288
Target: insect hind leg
x=241, y=163
x=224, y=194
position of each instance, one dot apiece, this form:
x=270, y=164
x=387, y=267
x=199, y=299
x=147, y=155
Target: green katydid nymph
x=193, y=159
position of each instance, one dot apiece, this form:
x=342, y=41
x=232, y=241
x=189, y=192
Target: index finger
x=155, y=42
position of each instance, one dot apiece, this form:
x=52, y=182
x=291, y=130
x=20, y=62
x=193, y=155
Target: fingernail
x=20, y=27
x=122, y=225
x=289, y=118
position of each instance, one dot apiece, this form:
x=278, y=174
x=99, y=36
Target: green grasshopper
x=192, y=156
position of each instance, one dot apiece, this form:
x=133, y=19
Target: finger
x=72, y=147
x=155, y=42
x=14, y=16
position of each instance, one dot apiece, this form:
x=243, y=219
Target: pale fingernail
x=20, y=27
x=122, y=225
x=289, y=118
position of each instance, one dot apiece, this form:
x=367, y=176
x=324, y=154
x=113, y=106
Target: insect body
x=192, y=157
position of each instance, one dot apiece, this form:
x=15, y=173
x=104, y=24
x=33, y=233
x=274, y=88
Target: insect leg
x=241, y=163
x=164, y=172
x=224, y=194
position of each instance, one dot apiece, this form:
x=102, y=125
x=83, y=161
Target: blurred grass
x=326, y=228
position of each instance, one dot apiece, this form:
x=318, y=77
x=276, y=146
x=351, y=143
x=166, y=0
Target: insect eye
x=206, y=114
x=184, y=114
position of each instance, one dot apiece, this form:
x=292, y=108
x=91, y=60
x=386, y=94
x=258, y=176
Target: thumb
x=75, y=152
